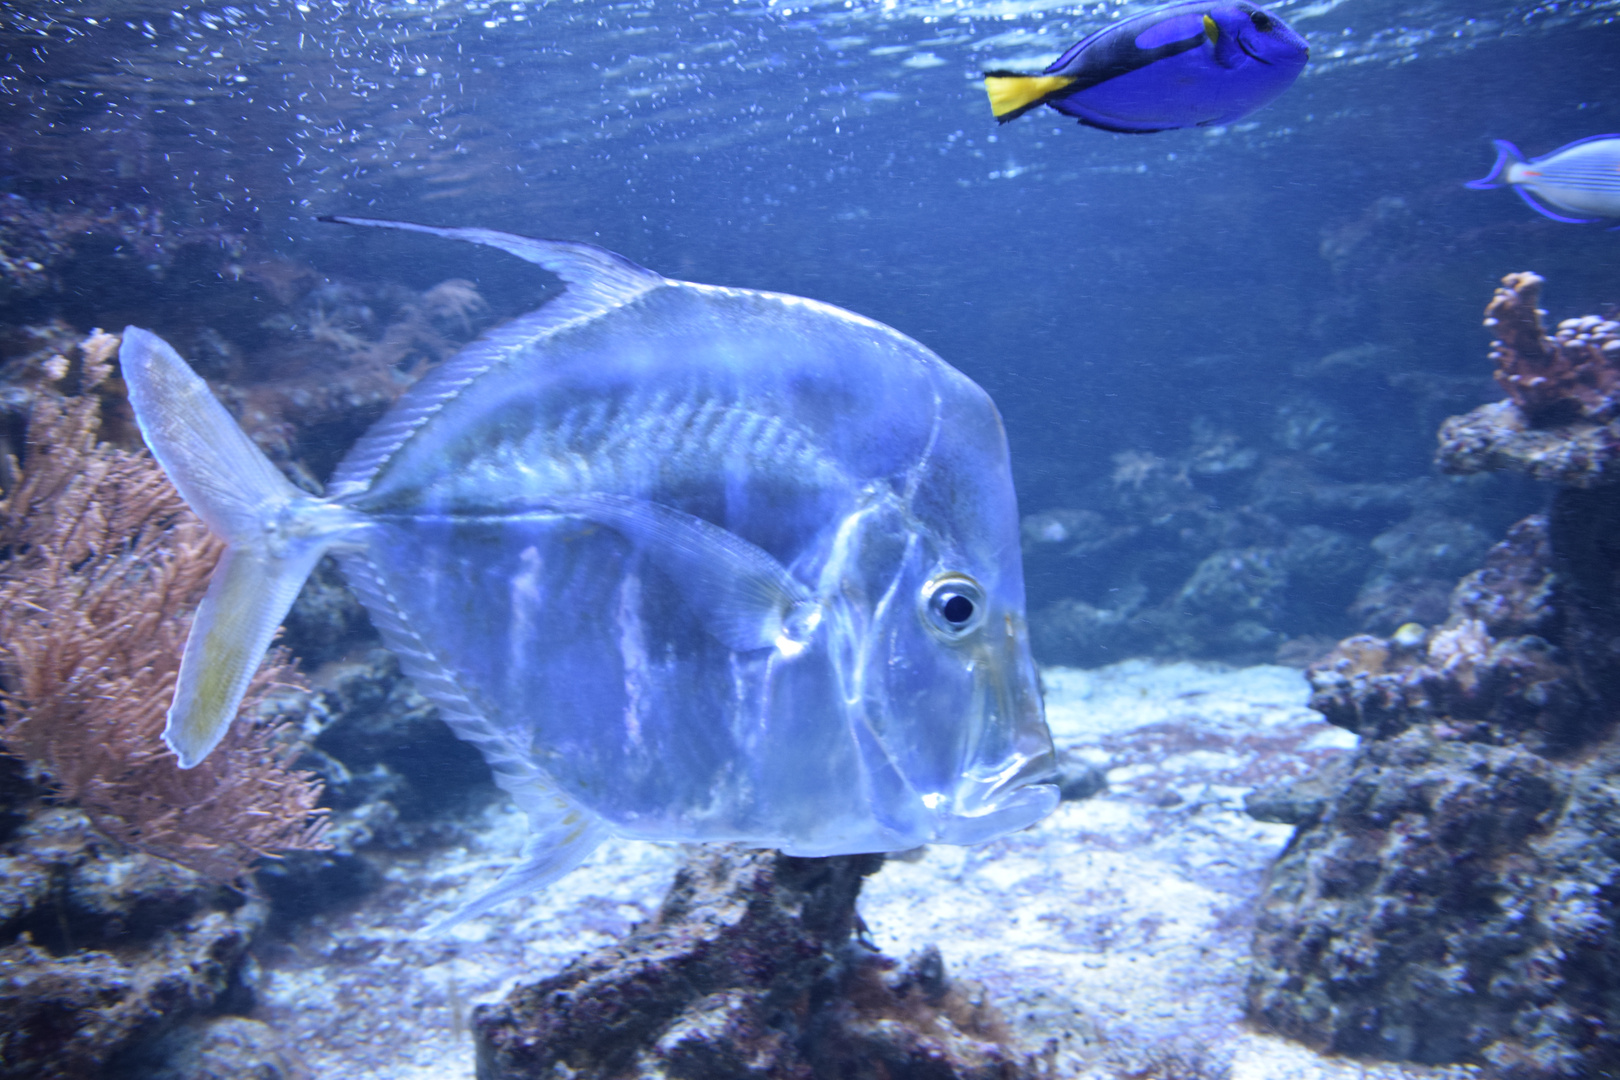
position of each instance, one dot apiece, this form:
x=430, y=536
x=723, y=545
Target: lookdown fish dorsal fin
x=598, y=281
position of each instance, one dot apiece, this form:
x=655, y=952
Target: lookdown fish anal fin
x=274, y=534
x=561, y=836
x=1012, y=95
x=745, y=598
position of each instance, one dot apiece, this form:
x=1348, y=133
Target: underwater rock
x=1226, y=552
x=1297, y=801
x=749, y=970
x=103, y=949
x=395, y=776
x=1452, y=898
x=1498, y=436
x=218, y=1048
x=1078, y=778
x=1413, y=921
x=1418, y=563
x=37, y=242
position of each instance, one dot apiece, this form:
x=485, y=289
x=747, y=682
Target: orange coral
x=100, y=566
x=1553, y=380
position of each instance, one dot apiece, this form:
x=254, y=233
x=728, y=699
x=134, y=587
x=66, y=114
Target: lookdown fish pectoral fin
x=743, y=595
x=274, y=534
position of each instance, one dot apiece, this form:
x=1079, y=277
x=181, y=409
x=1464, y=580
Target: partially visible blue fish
x=1182, y=65
x=685, y=563
x=1578, y=183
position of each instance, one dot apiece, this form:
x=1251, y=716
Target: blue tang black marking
x=1181, y=65
x=685, y=563
x=1578, y=183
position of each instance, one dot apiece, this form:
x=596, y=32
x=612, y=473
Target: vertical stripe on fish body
x=1181, y=65
x=685, y=563
x=1578, y=183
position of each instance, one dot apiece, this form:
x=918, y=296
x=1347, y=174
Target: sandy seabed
x=1114, y=935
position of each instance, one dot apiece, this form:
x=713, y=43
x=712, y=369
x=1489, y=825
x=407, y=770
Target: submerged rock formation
x=105, y=950
x=1456, y=896
x=753, y=968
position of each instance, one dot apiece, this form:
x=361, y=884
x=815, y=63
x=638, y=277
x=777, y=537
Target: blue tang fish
x=1578, y=183
x=1181, y=65
x=685, y=563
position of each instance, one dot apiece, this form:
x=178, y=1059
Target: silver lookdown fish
x=685, y=563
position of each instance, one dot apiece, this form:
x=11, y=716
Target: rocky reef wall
x=1452, y=893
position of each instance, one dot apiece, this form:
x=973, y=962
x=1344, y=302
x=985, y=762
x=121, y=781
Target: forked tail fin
x=1506, y=154
x=1012, y=95
x=274, y=534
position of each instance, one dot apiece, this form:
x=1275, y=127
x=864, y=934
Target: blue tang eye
x=1262, y=21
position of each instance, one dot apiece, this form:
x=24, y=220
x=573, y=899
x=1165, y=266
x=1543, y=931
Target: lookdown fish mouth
x=684, y=563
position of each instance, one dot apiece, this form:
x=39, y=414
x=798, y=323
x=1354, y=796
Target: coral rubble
x=749, y=970
x=1455, y=895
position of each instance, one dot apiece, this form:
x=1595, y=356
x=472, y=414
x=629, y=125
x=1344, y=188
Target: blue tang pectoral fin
x=744, y=597
x=1226, y=49
x=274, y=535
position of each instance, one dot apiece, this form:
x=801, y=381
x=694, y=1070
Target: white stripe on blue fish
x=1578, y=183
x=683, y=563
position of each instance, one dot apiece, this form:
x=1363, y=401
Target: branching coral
x=100, y=566
x=1553, y=379
x=1561, y=421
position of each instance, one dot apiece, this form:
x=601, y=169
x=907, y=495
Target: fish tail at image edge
x=1506, y=155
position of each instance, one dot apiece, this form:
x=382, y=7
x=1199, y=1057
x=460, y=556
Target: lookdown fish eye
x=953, y=604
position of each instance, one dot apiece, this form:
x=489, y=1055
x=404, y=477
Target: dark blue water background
x=1113, y=292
